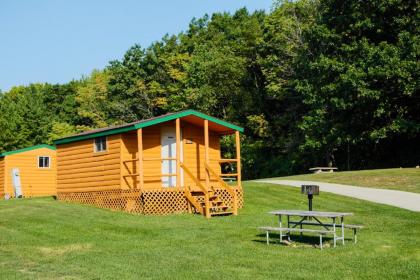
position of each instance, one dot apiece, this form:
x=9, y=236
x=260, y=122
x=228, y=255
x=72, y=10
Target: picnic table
x=311, y=218
x=322, y=169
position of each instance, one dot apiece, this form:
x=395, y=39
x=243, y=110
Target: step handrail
x=231, y=191
x=199, y=184
x=193, y=202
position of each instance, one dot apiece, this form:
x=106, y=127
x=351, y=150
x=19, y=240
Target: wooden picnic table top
x=323, y=168
x=304, y=213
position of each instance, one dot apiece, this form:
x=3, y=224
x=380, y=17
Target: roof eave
x=31, y=148
x=152, y=122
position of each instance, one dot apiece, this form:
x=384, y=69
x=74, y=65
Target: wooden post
x=238, y=158
x=178, y=152
x=206, y=159
x=238, y=171
x=206, y=150
x=140, y=156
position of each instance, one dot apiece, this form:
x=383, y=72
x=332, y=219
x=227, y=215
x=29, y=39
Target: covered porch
x=176, y=165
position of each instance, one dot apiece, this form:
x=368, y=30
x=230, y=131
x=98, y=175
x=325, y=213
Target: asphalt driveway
x=406, y=200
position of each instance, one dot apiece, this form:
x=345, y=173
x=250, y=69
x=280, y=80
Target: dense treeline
x=313, y=83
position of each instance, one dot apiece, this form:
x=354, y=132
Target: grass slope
x=43, y=238
x=405, y=179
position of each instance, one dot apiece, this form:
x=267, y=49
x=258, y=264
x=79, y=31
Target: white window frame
x=49, y=162
x=95, y=147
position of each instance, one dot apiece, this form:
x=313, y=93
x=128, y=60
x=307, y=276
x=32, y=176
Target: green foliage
x=313, y=82
x=359, y=76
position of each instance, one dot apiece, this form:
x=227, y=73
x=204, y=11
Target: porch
x=183, y=156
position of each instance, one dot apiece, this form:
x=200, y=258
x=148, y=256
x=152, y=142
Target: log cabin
x=162, y=165
x=28, y=172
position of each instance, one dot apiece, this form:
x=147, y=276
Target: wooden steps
x=217, y=206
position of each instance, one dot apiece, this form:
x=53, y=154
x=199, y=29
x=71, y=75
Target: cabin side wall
x=35, y=181
x=129, y=160
x=81, y=169
x=194, y=153
x=2, y=178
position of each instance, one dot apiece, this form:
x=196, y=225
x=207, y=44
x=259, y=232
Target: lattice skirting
x=227, y=198
x=149, y=202
x=122, y=200
x=224, y=196
x=161, y=202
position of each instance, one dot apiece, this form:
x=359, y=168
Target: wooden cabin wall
x=80, y=169
x=193, y=155
x=152, y=150
x=35, y=181
x=193, y=147
x=129, y=165
x=2, y=178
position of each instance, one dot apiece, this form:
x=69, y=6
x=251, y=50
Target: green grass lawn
x=48, y=239
x=405, y=179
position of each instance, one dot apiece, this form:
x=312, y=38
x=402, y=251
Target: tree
x=359, y=76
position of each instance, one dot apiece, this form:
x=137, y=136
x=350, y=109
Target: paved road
x=406, y=200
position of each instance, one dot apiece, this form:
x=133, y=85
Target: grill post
x=310, y=190
x=310, y=196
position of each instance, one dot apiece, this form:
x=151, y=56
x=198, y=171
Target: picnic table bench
x=288, y=230
x=353, y=227
x=322, y=169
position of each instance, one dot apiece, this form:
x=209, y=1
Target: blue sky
x=56, y=41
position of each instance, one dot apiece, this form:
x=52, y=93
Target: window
x=44, y=162
x=100, y=144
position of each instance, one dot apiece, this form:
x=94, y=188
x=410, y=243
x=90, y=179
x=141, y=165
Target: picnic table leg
x=300, y=224
x=335, y=234
x=281, y=234
x=288, y=226
x=301, y=234
x=320, y=241
x=355, y=235
x=267, y=236
x=342, y=229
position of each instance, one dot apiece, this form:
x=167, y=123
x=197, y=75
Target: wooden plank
x=130, y=160
x=90, y=160
x=225, y=160
x=84, y=189
x=238, y=156
x=178, y=151
x=229, y=174
x=160, y=175
x=85, y=174
x=159, y=159
x=140, y=155
x=206, y=161
x=206, y=150
x=94, y=168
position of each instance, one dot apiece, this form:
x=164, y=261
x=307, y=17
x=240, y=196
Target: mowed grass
x=402, y=179
x=47, y=239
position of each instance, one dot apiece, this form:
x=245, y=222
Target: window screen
x=44, y=162
x=100, y=144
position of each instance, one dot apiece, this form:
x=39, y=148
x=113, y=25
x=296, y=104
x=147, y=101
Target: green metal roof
x=142, y=124
x=27, y=149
